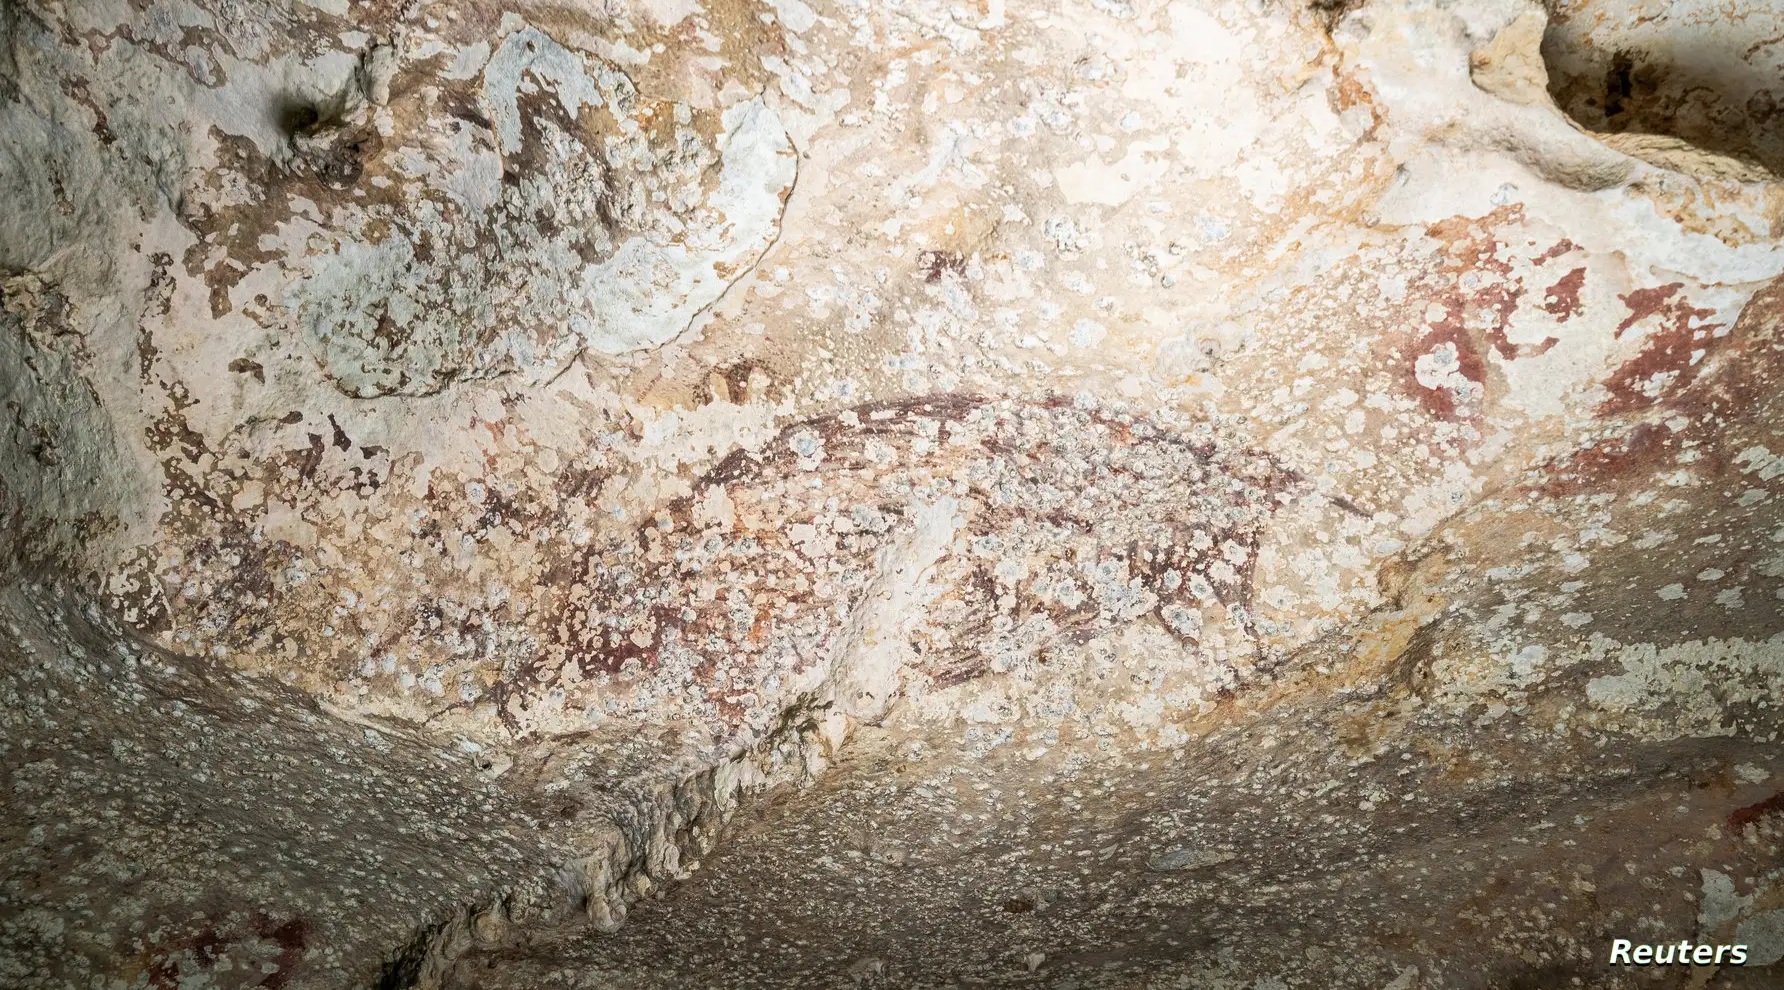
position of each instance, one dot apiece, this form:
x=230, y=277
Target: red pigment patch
x=1471, y=253
x=1512, y=352
x=1468, y=251
x=1738, y=388
x=1441, y=402
x=1644, y=303
x=1667, y=351
x=1738, y=822
x=1562, y=299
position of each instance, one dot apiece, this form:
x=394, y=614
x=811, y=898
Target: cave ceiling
x=1084, y=494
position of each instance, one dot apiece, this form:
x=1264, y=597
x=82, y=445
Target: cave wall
x=1323, y=441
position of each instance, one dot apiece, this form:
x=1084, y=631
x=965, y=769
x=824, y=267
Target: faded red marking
x=1743, y=817
x=1468, y=250
x=1561, y=247
x=1666, y=351
x=210, y=945
x=1737, y=389
x=1512, y=352
x=1441, y=401
x=1349, y=93
x=1590, y=467
x=1563, y=298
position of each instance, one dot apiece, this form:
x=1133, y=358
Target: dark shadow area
x=1698, y=90
x=294, y=115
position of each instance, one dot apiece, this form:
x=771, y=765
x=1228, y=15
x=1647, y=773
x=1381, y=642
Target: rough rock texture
x=757, y=493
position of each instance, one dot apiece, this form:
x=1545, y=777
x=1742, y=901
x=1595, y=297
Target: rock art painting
x=790, y=494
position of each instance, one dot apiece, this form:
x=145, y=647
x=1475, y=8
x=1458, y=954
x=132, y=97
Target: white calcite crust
x=1099, y=493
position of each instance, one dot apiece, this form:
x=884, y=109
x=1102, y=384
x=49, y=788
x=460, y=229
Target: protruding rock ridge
x=1595, y=142
x=170, y=822
x=206, y=827
x=1681, y=85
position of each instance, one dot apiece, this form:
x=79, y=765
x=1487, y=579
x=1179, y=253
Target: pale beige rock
x=799, y=494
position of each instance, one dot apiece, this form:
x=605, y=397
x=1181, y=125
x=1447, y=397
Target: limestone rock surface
x=826, y=493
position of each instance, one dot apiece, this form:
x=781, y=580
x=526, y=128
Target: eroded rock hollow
x=1097, y=494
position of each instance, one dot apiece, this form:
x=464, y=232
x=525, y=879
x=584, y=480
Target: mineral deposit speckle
x=816, y=493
